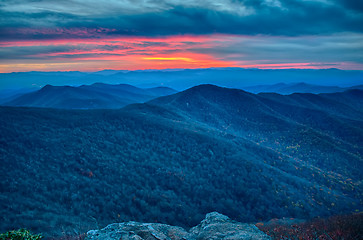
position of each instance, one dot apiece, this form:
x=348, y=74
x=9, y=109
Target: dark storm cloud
x=73, y=19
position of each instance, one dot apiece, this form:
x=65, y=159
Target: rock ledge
x=214, y=226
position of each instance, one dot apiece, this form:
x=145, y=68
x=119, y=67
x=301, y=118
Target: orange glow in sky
x=129, y=53
x=133, y=53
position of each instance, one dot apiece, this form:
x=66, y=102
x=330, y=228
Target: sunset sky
x=92, y=35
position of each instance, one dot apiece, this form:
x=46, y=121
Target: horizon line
x=181, y=69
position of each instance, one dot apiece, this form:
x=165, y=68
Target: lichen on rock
x=214, y=226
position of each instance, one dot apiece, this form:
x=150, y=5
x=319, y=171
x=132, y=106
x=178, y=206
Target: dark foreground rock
x=214, y=226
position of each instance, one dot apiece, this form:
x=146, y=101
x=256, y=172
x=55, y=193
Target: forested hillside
x=95, y=96
x=176, y=158
x=283, y=88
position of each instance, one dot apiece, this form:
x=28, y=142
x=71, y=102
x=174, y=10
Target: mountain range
x=253, y=157
x=283, y=88
x=108, y=96
x=181, y=79
x=97, y=95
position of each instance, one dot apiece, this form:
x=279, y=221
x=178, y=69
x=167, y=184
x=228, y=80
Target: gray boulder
x=218, y=226
x=214, y=226
x=138, y=231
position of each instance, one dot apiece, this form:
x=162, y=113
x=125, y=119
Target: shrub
x=334, y=227
x=21, y=234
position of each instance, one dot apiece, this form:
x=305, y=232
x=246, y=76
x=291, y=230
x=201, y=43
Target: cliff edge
x=214, y=226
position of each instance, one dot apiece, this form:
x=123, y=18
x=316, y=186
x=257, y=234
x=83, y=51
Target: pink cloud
x=134, y=52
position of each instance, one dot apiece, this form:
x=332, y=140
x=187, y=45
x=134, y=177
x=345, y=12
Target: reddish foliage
x=76, y=237
x=333, y=228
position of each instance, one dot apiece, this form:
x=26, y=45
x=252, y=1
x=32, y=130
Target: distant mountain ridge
x=97, y=95
x=9, y=94
x=286, y=89
x=181, y=79
x=108, y=96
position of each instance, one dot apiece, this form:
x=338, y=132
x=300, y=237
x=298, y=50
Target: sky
x=92, y=35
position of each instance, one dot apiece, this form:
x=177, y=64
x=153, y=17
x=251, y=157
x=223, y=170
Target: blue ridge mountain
x=97, y=95
x=181, y=79
x=283, y=88
x=252, y=157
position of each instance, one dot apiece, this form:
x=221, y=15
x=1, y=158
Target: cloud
x=155, y=18
x=337, y=50
x=78, y=48
x=119, y=33
x=354, y=5
x=282, y=49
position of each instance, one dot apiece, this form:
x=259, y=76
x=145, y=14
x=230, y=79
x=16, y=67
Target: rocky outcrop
x=214, y=226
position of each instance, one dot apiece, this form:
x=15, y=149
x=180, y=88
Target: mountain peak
x=215, y=88
x=48, y=86
x=206, y=86
x=52, y=87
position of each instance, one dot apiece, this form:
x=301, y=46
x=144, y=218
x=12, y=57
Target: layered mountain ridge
x=302, y=87
x=251, y=157
x=182, y=79
x=97, y=95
